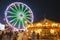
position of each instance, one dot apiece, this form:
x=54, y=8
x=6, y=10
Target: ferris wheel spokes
x=17, y=13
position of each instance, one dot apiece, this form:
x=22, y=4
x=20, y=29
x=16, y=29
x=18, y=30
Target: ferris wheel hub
x=20, y=15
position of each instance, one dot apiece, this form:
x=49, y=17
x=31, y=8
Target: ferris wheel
x=18, y=15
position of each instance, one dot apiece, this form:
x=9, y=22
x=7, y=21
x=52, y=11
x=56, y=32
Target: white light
x=2, y=27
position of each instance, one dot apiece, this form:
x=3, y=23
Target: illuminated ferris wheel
x=18, y=14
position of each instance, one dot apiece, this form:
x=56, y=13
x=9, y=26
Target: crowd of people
x=9, y=34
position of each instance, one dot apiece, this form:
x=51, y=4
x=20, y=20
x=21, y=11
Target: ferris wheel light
x=18, y=13
x=25, y=21
x=12, y=4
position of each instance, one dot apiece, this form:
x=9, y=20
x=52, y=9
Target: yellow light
x=31, y=25
x=36, y=31
x=38, y=24
x=39, y=31
x=46, y=23
x=54, y=24
x=52, y=31
x=7, y=25
x=25, y=21
x=28, y=26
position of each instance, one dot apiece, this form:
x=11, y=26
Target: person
x=33, y=35
x=5, y=37
x=20, y=35
x=59, y=34
x=25, y=36
x=29, y=35
x=9, y=33
x=15, y=35
x=1, y=35
x=37, y=36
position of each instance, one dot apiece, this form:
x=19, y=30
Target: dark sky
x=40, y=8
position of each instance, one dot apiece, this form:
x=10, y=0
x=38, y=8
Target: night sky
x=41, y=8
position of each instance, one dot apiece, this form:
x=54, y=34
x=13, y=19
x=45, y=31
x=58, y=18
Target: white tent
x=2, y=26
